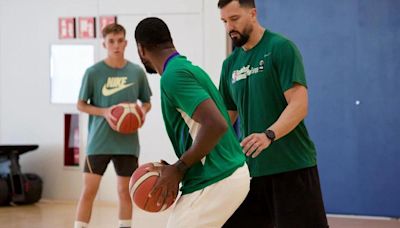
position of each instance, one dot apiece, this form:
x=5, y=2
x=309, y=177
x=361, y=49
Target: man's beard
x=241, y=40
x=243, y=37
x=147, y=67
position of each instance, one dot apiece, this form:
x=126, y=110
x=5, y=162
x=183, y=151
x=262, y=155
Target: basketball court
x=61, y=214
x=351, y=56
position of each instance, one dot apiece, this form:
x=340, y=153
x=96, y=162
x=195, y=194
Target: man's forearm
x=207, y=138
x=293, y=114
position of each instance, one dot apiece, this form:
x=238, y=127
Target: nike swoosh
x=266, y=55
x=109, y=92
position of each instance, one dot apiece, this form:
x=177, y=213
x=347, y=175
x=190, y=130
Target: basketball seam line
x=131, y=110
x=139, y=181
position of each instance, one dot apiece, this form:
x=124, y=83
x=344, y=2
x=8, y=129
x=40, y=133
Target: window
x=68, y=63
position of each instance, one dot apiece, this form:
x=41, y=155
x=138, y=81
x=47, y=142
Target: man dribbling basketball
x=211, y=165
x=104, y=85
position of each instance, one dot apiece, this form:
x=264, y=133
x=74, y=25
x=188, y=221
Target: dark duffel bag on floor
x=5, y=194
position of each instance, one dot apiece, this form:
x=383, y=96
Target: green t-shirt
x=183, y=87
x=104, y=86
x=253, y=83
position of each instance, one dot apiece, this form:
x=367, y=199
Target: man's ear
x=104, y=44
x=253, y=13
x=140, y=49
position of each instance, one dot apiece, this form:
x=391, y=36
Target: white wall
x=27, y=28
x=1, y=12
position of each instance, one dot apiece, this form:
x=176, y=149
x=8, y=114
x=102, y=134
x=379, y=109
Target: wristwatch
x=270, y=135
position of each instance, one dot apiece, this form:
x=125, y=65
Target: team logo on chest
x=261, y=66
x=114, y=85
x=247, y=71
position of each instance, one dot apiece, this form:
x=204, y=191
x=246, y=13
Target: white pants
x=212, y=206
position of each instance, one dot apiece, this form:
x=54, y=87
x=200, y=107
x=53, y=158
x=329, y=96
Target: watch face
x=270, y=134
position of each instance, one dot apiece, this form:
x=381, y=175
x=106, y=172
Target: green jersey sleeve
x=224, y=88
x=288, y=61
x=184, y=91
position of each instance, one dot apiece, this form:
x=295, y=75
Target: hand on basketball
x=111, y=120
x=167, y=184
x=254, y=144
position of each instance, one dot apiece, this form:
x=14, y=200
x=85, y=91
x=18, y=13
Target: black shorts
x=124, y=165
x=286, y=200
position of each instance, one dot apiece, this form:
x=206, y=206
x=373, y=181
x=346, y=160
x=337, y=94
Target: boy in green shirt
x=106, y=84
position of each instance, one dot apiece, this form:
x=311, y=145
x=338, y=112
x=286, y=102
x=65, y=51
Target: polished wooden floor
x=48, y=214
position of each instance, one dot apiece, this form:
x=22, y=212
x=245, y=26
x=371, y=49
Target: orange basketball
x=141, y=184
x=129, y=117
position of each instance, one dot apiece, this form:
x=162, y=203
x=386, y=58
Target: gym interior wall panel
x=1, y=60
x=25, y=89
x=214, y=40
x=377, y=82
x=129, y=7
x=351, y=52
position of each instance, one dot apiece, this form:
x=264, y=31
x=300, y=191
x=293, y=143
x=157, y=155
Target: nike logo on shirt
x=114, y=85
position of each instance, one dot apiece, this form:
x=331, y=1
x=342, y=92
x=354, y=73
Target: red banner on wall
x=106, y=20
x=87, y=27
x=66, y=28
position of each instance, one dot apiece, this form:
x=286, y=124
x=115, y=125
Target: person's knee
x=89, y=192
x=123, y=192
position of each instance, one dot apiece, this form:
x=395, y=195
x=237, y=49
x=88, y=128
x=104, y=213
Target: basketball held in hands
x=141, y=184
x=129, y=117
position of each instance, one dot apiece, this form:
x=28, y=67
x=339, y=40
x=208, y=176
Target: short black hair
x=245, y=3
x=152, y=32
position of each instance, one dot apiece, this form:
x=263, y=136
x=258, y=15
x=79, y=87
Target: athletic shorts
x=124, y=165
x=286, y=200
x=211, y=206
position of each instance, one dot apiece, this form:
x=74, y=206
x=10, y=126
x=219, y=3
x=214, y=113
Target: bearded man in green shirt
x=263, y=83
